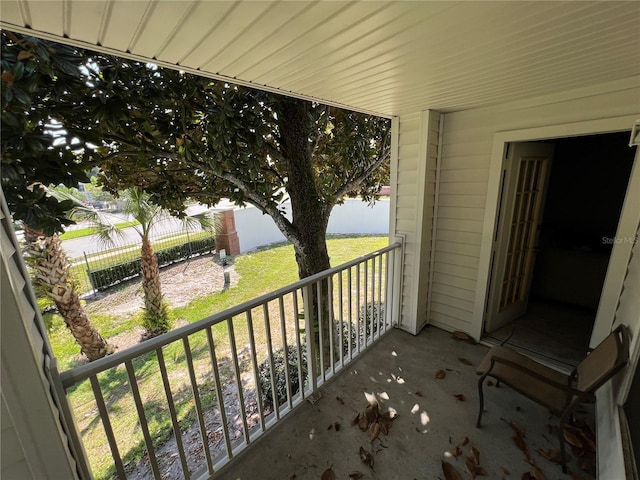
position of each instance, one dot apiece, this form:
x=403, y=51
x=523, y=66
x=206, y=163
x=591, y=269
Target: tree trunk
x=310, y=214
x=156, y=315
x=51, y=270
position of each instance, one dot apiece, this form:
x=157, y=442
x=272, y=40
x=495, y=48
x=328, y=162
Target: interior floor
x=554, y=331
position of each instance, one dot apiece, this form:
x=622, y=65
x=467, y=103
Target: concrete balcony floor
x=431, y=421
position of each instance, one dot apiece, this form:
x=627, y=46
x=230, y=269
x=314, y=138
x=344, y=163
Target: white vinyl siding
x=417, y=152
x=465, y=163
x=33, y=442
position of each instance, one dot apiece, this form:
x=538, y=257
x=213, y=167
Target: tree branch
x=285, y=226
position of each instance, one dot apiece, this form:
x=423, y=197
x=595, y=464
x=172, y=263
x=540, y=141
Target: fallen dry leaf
x=505, y=471
x=384, y=427
x=328, y=474
x=336, y=426
x=419, y=393
x=355, y=420
x=463, y=337
x=330, y=426
x=490, y=383
x=292, y=477
x=572, y=438
x=464, y=441
x=355, y=476
x=340, y=399
x=538, y=473
x=520, y=443
x=363, y=423
x=450, y=472
x=460, y=397
x=374, y=431
x=366, y=458
x=457, y=452
x=476, y=455
x=516, y=427
x=465, y=361
x=440, y=374
x=551, y=455
x=372, y=412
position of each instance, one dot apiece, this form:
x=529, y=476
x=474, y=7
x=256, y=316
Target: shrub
x=368, y=313
x=107, y=277
x=264, y=374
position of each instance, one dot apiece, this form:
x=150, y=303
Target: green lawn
x=260, y=272
x=85, y=232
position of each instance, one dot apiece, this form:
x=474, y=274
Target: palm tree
x=51, y=276
x=138, y=205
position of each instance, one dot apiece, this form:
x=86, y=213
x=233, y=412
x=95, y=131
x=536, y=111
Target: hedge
x=108, y=277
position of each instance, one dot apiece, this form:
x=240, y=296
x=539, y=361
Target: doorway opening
x=557, y=252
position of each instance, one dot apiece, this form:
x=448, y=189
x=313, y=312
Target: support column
x=226, y=235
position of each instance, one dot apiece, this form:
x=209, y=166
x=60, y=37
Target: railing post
x=394, y=288
x=309, y=327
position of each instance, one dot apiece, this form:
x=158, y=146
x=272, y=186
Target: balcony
x=308, y=359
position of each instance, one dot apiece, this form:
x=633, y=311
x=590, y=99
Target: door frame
x=614, y=282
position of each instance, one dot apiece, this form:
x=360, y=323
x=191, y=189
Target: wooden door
x=524, y=183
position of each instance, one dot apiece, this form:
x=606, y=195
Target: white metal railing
x=203, y=392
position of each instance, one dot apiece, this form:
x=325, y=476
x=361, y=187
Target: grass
x=87, y=231
x=260, y=272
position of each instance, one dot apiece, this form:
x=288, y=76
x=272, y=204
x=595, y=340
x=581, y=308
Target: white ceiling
x=385, y=57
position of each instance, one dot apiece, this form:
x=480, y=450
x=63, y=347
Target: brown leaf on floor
x=516, y=427
x=456, y=452
x=572, y=438
x=384, y=427
x=551, y=455
x=463, y=337
x=292, y=477
x=473, y=468
x=520, y=443
x=465, y=361
x=588, y=443
x=328, y=474
x=450, y=472
x=460, y=397
x=464, y=441
x=340, y=399
x=419, y=393
x=538, y=474
x=372, y=412
x=440, y=374
x=490, y=383
x=330, y=426
x=336, y=426
x=505, y=471
x=374, y=431
x=476, y=455
x=355, y=420
x=363, y=423
x=355, y=475
x=366, y=458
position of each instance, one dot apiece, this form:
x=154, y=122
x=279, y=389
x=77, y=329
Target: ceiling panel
x=388, y=57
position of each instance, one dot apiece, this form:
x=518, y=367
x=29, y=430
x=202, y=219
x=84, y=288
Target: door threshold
x=546, y=359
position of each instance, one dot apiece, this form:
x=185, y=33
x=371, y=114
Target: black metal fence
x=120, y=260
